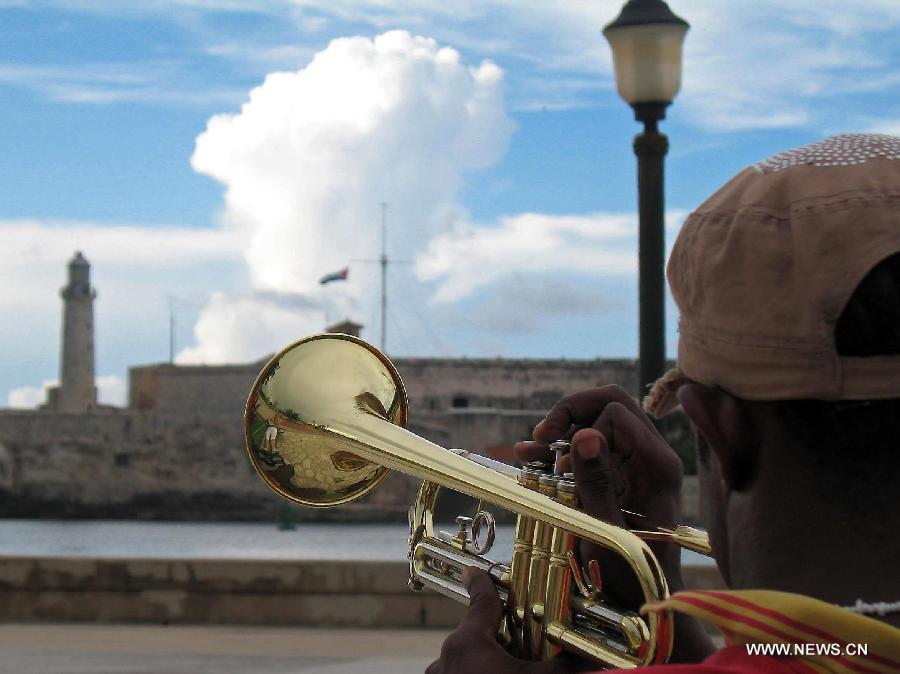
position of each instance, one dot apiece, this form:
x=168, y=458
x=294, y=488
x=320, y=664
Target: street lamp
x=646, y=40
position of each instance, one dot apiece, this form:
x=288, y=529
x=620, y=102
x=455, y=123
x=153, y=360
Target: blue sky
x=491, y=128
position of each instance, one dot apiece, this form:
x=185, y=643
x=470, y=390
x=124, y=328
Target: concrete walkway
x=142, y=649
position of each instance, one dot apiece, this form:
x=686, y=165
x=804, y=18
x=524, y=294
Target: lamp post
x=646, y=40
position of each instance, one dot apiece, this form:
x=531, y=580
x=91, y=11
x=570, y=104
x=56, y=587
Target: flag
x=335, y=276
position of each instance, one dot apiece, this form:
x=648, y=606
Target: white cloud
x=172, y=9
x=110, y=391
x=153, y=82
x=132, y=256
x=471, y=258
x=28, y=397
x=890, y=127
x=269, y=55
x=525, y=302
x=313, y=152
x=243, y=329
x=311, y=155
x=748, y=65
x=760, y=65
x=30, y=241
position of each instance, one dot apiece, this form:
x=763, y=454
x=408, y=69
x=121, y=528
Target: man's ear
x=722, y=420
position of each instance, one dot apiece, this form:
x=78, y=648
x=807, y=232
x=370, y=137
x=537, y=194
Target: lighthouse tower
x=76, y=391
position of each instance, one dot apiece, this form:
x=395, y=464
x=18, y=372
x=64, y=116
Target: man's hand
x=620, y=462
x=473, y=646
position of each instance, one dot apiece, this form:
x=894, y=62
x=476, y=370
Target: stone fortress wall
x=177, y=450
x=476, y=403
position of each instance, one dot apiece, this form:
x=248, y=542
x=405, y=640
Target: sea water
x=223, y=540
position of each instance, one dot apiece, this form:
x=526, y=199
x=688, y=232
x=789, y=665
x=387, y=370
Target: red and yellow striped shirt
x=816, y=637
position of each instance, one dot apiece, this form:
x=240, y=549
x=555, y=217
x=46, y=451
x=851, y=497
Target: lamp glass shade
x=647, y=61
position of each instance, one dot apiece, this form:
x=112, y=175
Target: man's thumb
x=485, y=607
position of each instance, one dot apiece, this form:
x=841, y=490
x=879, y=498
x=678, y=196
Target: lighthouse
x=76, y=391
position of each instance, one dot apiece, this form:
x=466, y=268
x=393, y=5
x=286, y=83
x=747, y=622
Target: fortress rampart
x=177, y=451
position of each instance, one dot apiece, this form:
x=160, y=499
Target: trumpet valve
x=531, y=472
x=559, y=448
x=461, y=539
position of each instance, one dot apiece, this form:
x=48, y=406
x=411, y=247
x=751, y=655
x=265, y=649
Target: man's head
x=788, y=282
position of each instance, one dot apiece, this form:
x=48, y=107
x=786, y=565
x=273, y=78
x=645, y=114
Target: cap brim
x=663, y=397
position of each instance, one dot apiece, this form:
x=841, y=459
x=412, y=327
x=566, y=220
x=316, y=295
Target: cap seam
x=860, y=199
x=863, y=199
x=817, y=348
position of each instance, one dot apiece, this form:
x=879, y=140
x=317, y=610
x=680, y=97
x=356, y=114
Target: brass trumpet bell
x=292, y=420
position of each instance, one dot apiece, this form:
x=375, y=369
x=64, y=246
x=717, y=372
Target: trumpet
x=324, y=424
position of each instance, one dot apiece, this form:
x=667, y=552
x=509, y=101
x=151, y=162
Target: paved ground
x=132, y=649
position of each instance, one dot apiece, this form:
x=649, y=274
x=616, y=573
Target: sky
x=214, y=158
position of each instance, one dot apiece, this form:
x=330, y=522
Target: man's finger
x=534, y=451
x=640, y=447
x=594, y=477
x=583, y=408
x=528, y=450
x=485, y=607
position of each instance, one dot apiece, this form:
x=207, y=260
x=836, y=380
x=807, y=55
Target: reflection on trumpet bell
x=326, y=420
x=286, y=428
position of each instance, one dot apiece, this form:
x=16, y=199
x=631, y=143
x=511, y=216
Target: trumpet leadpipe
x=497, y=466
x=683, y=536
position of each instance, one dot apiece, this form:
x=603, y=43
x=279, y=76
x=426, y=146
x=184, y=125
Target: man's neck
x=817, y=553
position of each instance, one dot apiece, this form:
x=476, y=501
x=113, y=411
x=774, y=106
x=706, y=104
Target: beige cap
x=763, y=269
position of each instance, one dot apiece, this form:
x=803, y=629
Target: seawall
x=363, y=594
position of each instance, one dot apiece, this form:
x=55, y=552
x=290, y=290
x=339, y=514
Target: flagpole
x=384, y=263
x=171, y=328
